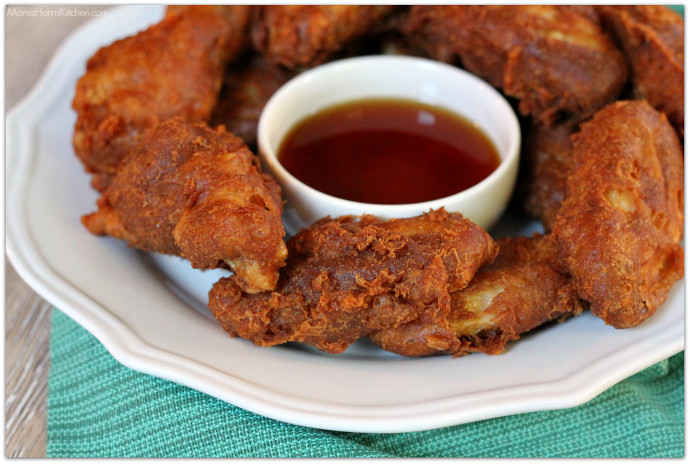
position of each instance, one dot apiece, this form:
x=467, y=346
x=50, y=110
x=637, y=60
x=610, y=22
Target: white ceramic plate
x=149, y=311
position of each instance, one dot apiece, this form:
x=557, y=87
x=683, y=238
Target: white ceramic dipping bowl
x=397, y=77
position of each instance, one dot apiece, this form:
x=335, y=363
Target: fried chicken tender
x=198, y=193
x=523, y=288
x=298, y=36
x=620, y=224
x=652, y=38
x=173, y=68
x=248, y=85
x=547, y=156
x=556, y=60
x=348, y=276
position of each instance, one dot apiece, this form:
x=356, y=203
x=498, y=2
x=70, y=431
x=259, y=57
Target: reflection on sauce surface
x=388, y=151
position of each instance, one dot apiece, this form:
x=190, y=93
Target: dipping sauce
x=388, y=151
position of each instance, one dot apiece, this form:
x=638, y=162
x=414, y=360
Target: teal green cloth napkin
x=99, y=408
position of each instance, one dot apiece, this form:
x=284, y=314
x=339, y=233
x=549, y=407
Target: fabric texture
x=99, y=408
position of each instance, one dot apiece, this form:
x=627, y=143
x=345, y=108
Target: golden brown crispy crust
x=348, y=276
x=546, y=164
x=556, y=60
x=173, y=185
x=299, y=36
x=652, y=38
x=523, y=288
x=247, y=86
x=197, y=193
x=173, y=68
x=534, y=289
x=619, y=227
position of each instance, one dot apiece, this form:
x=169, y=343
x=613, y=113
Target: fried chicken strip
x=173, y=68
x=620, y=224
x=652, y=38
x=523, y=288
x=547, y=155
x=298, y=36
x=348, y=276
x=556, y=60
x=199, y=193
x=247, y=86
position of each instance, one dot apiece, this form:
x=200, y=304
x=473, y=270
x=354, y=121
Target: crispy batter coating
x=198, y=193
x=652, y=38
x=247, y=86
x=348, y=276
x=556, y=60
x=523, y=288
x=173, y=68
x=620, y=225
x=612, y=194
x=547, y=161
x=299, y=36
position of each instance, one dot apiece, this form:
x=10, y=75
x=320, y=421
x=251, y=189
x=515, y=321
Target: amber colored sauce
x=388, y=151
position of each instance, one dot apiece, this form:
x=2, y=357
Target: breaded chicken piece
x=248, y=85
x=547, y=160
x=298, y=36
x=523, y=288
x=556, y=60
x=199, y=193
x=173, y=68
x=348, y=276
x=620, y=224
x=652, y=39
